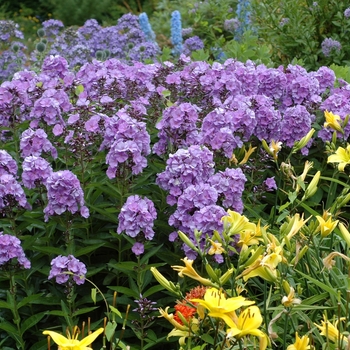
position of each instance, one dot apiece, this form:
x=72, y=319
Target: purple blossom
x=67, y=268
x=229, y=184
x=127, y=140
x=231, y=24
x=184, y=168
x=34, y=142
x=330, y=45
x=137, y=216
x=138, y=248
x=295, y=125
x=52, y=28
x=270, y=184
x=347, y=13
x=192, y=44
x=10, y=248
x=11, y=193
x=7, y=164
x=64, y=193
x=178, y=127
x=55, y=66
x=36, y=170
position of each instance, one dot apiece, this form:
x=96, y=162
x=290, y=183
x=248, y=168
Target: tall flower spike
x=176, y=33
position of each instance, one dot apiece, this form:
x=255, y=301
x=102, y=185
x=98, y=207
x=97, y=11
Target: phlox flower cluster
x=184, y=168
x=52, y=28
x=127, y=141
x=11, y=193
x=136, y=219
x=36, y=171
x=347, y=13
x=178, y=127
x=7, y=164
x=34, y=142
x=10, y=248
x=67, y=268
x=197, y=191
x=64, y=193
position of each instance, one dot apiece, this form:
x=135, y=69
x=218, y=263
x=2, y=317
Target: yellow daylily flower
x=217, y=303
x=247, y=323
x=331, y=331
x=341, y=156
x=274, y=148
x=300, y=343
x=189, y=271
x=72, y=343
x=327, y=225
x=216, y=248
x=247, y=154
x=290, y=299
x=329, y=261
x=294, y=225
x=333, y=121
x=235, y=223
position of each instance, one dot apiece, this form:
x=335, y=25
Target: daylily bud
x=226, y=276
x=212, y=273
x=165, y=282
x=345, y=233
x=298, y=145
x=187, y=241
x=312, y=188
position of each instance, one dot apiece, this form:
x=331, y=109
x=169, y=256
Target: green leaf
x=29, y=299
x=110, y=330
x=125, y=290
x=31, y=321
x=88, y=249
x=328, y=289
x=115, y=311
x=152, y=290
x=84, y=310
x=79, y=89
x=93, y=295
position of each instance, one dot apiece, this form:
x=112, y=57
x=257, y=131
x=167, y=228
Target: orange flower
x=186, y=311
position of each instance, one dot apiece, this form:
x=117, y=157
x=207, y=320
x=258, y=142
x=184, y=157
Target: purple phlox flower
x=64, y=193
x=184, y=168
x=347, y=13
x=296, y=124
x=36, y=170
x=137, y=216
x=92, y=125
x=34, y=142
x=178, y=127
x=326, y=78
x=10, y=248
x=270, y=184
x=65, y=268
x=138, y=248
x=11, y=193
x=329, y=46
x=186, y=32
x=55, y=66
x=217, y=131
x=229, y=184
x=272, y=82
x=127, y=140
x=337, y=103
x=50, y=106
x=7, y=164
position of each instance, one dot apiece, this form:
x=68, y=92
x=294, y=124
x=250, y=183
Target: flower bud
x=40, y=47
x=298, y=145
x=312, y=188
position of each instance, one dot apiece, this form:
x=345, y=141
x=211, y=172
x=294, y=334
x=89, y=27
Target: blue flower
x=176, y=33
